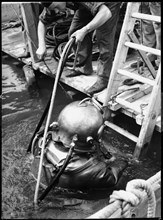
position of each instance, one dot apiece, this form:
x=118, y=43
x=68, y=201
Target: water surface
x=22, y=107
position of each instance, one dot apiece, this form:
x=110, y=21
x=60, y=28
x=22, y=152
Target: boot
x=98, y=86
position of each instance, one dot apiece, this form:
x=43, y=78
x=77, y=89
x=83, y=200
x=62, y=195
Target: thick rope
x=133, y=196
x=144, y=185
x=155, y=179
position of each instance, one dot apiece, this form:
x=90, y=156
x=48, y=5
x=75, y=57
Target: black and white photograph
x=81, y=110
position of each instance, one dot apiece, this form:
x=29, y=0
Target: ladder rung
x=136, y=77
x=146, y=17
x=128, y=105
x=143, y=48
x=121, y=131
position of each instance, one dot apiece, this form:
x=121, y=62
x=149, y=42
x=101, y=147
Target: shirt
x=48, y=16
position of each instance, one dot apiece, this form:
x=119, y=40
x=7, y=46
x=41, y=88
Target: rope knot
x=124, y=196
x=133, y=196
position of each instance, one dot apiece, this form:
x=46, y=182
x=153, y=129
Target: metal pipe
x=49, y=116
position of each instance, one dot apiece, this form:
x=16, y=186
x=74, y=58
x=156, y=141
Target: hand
x=79, y=35
x=41, y=52
x=106, y=113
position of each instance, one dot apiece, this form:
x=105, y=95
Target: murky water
x=22, y=108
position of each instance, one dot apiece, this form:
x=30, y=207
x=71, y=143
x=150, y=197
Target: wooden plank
x=12, y=36
x=121, y=131
x=129, y=97
x=135, y=95
x=127, y=104
x=14, y=52
x=29, y=20
x=79, y=82
x=133, y=113
x=9, y=11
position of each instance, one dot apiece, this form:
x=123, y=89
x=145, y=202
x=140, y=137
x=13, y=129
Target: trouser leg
x=81, y=19
x=155, y=8
x=105, y=39
x=148, y=32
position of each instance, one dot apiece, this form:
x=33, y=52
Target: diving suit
x=80, y=124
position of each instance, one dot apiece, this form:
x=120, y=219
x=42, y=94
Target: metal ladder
x=127, y=40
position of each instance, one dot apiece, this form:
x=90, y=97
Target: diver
x=90, y=166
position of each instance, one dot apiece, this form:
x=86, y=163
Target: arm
x=100, y=18
x=41, y=51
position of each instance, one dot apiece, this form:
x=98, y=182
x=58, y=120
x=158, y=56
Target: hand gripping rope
x=122, y=201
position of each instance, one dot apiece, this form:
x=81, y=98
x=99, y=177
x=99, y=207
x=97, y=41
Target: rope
x=155, y=179
x=133, y=195
x=144, y=185
x=107, y=211
x=123, y=200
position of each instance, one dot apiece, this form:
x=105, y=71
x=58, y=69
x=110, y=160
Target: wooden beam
x=152, y=113
x=121, y=131
x=146, y=17
x=136, y=77
x=130, y=96
x=143, y=48
x=30, y=23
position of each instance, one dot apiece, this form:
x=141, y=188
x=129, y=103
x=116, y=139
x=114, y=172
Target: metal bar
x=49, y=117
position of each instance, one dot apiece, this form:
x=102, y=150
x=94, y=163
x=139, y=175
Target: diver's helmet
x=81, y=118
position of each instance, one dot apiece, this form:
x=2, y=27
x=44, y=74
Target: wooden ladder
x=148, y=119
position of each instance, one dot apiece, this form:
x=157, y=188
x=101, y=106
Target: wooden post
x=149, y=121
x=30, y=19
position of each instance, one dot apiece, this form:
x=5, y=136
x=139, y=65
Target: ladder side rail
x=150, y=117
x=121, y=52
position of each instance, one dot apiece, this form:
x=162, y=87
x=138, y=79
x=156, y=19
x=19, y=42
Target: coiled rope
x=132, y=197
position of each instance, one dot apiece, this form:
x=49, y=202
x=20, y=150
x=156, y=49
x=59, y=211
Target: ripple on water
x=22, y=111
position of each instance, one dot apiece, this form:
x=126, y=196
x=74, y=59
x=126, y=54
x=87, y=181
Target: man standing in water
x=88, y=17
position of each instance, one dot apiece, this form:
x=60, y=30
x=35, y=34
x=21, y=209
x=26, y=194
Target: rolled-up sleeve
x=93, y=7
x=47, y=16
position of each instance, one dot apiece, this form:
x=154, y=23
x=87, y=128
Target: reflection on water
x=22, y=108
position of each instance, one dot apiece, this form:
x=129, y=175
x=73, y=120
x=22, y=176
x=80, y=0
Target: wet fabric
x=85, y=170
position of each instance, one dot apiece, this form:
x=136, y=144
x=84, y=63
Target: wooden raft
x=14, y=45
